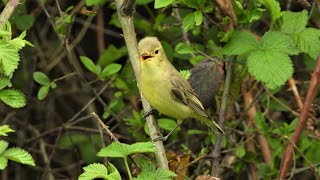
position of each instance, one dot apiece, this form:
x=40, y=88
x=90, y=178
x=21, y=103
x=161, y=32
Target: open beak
x=145, y=56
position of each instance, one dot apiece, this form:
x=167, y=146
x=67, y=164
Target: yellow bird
x=165, y=89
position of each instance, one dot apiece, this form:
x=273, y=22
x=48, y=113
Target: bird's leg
x=167, y=136
x=149, y=112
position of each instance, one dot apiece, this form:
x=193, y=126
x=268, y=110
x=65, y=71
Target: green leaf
x=167, y=124
x=110, y=70
x=111, y=54
x=143, y=2
x=277, y=41
x=196, y=131
x=94, y=171
x=241, y=42
x=184, y=48
x=3, y=146
x=274, y=7
x=19, y=42
x=24, y=22
x=9, y=58
x=3, y=162
x=272, y=67
x=261, y=123
x=185, y=74
x=19, y=155
x=162, y=3
x=308, y=41
x=148, y=171
x=117, y=149
x=53, y=85
x=4, y=82
x=240, y=151
x=89, y=64
x=198, y=17
x=5, y=129
x=41, y=78
x=95, y=2
x=188, y=22
x=294, y=22
x=43, y=92
x=13, y=98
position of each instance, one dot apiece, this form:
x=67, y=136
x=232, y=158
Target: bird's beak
x=145, y=56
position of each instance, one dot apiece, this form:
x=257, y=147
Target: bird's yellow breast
x=155, y=84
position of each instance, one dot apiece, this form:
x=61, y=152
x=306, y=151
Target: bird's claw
x=149, y=112
x=161, y=138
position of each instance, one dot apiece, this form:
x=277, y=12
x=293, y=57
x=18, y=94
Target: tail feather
x=211, y=123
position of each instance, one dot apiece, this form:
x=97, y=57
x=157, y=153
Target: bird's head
x=150, y=50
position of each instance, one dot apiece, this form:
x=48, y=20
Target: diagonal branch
x=8, y=10
x=132, y=46
x=287, y=157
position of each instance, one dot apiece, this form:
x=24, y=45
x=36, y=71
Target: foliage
x=14, y=154
x=273, y=41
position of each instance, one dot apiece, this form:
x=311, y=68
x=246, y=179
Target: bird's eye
x=156, y=51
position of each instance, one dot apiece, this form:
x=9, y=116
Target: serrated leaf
x=3, y=146
x=43, y=92
x=188, y=22
x=9, y=58
x=162, y=3
x=198, y=17
x=19, y=155
x=277, y=41
x=13, y=98
x=110, y=70
x=19, y=42
x=41, y=78
x=294, y=22
x=185, y=74
x=4, y=82
x=183, y=48
x=113, y=172
x=94, y=171
x=3, y=162
x=308, y=41
x=89, y=64
x=117, y=149
x=274, y=7
x=5, y=129
x=241, y=42
x=162, y=174
x=271, y=67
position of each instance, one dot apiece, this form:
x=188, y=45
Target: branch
x=132, y=46
x=8, y=10
x=224, y=105
x=287, y=157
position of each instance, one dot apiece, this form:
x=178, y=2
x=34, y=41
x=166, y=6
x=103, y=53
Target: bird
x=165, y=88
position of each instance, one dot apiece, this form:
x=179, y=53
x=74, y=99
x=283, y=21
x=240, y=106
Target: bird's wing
x=183, y=93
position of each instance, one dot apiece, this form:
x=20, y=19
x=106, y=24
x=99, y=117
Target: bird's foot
x=161, y=138
x=149, y=112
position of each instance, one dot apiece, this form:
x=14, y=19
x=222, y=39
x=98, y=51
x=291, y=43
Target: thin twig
x=106, y=128
x=216, y=153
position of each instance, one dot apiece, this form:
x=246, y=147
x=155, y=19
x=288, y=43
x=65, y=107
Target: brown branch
x=287, y=157
x=132, y=46
x=8, y=10
x=266, y=152
x=293, y=87
x=106, y=128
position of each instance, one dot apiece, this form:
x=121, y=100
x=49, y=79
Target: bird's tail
x=210, y=122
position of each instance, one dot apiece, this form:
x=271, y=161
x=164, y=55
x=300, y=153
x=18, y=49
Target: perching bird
x=165, y=89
